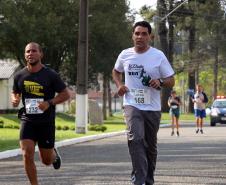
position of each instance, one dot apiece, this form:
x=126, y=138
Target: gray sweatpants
x=142, y=142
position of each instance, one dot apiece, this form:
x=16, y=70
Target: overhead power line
x=173, y=10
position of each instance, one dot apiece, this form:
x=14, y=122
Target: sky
x=137, y=4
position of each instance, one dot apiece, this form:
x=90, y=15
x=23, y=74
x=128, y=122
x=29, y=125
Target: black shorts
x=42, y=133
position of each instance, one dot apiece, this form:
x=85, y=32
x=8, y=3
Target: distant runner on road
x=174, y=103
x=199, y=99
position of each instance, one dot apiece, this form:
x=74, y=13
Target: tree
x=51, y=23
x=198, y=26
x=109, y=33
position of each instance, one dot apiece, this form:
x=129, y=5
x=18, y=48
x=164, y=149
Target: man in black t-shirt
x=37, y=85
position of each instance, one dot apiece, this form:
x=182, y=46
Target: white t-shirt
x=135, y=66
x=199, y=98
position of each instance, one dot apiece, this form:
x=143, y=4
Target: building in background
x=7, y=69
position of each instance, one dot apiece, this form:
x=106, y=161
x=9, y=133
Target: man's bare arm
x=169, y=82
x=59, y=98
x=117, y=77
x=15, y=99
x=166, y=82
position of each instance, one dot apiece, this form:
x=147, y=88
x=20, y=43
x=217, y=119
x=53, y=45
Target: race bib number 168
x=140, y=96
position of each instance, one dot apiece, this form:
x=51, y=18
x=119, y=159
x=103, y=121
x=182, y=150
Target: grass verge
x=9, y=136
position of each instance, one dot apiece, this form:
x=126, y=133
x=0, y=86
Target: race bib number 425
x=31, y=105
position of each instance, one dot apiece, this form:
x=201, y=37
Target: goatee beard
x=34, y=63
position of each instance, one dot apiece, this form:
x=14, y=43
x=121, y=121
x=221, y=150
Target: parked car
x=218, y=111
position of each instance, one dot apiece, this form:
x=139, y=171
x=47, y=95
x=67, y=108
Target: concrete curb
x=16, y=152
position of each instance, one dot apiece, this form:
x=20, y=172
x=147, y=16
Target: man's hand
x=155, y=83
x=117, y=77
x=44, y=105
x=15, y=99
x=122, y=90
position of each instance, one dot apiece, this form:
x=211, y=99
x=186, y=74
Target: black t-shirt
x=173, y=102
x=42, y=84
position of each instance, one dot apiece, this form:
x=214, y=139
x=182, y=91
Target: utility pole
x=82, y=70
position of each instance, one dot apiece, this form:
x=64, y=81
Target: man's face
x=141, y=38
x=32, y=54
x=199, y=88
x=173, y=94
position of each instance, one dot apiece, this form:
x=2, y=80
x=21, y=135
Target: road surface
x=191, y=159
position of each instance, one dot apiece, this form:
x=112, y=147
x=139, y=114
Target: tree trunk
x=104, y=97
x=191, y=85
x=191, y=73
x=162, y=31
x=215, y=73
x=109, y=98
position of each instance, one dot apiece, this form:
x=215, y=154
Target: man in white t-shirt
x=146, y=71
x=199, y=99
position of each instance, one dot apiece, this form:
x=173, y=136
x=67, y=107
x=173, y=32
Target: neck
x=34, y=68
x=141, y=50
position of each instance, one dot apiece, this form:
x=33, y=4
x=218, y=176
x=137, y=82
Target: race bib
x=174, y=106
x=139, y=96
x=31, y=105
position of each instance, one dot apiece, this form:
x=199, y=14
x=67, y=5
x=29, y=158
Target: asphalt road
x=191, y=159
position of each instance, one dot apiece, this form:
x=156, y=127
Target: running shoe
x=178, y=133
x=57, y=161
x=197, y=131
x=201, y=131
x=172, y=133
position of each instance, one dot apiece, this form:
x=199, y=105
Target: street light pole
x=82, y=70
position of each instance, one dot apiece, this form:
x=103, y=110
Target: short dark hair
x=173, y=92
x=143, y=24
x=37, y=44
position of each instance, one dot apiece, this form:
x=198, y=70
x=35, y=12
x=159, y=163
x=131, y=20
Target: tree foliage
x=53, y=24
x=109, y=33
x=199, y=35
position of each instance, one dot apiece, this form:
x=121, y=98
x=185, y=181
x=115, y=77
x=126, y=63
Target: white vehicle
x=218, y=111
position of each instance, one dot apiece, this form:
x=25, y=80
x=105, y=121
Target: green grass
x=9, y=137
x=166, y=116
x=184, y=117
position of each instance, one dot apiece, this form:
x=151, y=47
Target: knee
x=28, y=155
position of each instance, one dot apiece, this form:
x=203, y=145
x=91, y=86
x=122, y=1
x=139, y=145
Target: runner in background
x=174, y=103
x=199, y=99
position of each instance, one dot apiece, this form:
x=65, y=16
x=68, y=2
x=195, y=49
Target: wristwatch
x=161, y=82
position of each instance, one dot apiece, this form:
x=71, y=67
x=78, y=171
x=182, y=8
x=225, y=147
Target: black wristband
x=50, y=102
x=161, y=82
